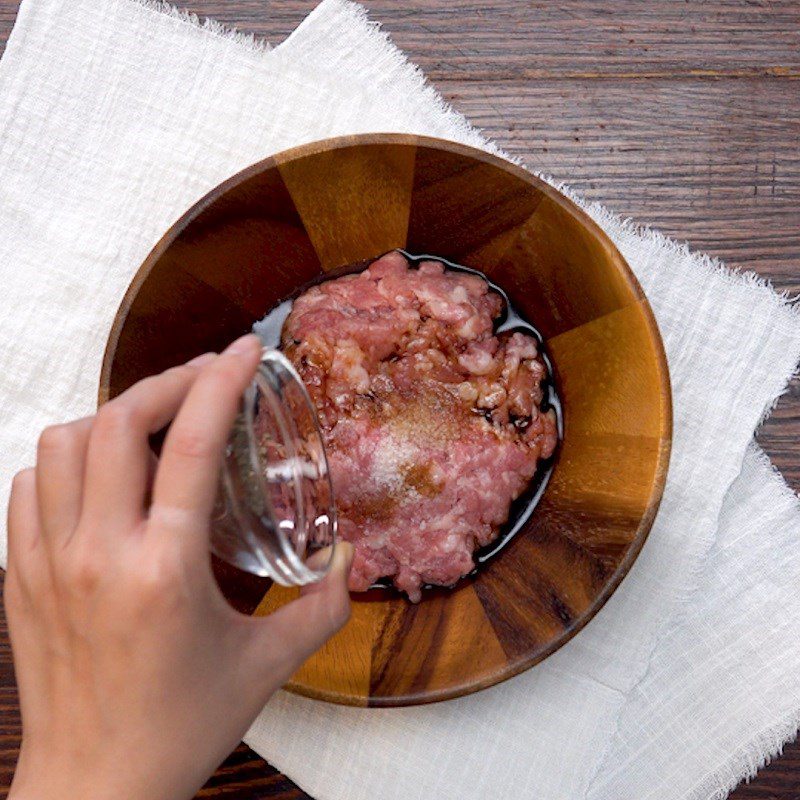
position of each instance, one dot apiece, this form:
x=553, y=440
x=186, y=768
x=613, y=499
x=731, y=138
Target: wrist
x=51, y=779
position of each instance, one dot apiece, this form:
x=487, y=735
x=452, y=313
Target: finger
x=28, y=596
x=25, y=553
x=322, y=560
x=300, y=628
x=119, y=456
x=188, y=471
x=60, y=466
x=152, y=466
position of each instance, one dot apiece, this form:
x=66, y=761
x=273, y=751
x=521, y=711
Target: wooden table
x=684, y=115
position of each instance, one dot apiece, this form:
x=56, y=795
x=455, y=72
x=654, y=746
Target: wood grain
x=379, y=183
x=684, y=115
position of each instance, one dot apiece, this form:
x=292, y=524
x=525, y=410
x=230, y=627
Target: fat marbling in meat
x=432, y=422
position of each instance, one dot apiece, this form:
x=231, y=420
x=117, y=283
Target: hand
x=136, y=678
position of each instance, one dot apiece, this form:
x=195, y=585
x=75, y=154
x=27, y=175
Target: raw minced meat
x=432, y=423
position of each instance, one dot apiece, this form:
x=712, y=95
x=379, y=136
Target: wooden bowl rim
x=521, y=663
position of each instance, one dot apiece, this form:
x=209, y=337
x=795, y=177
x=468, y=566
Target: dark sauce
x=521, y=509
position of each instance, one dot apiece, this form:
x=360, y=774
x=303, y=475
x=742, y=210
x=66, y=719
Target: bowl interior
x=280, y=224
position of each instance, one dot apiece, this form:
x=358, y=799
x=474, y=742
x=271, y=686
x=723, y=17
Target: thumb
x=288, y=636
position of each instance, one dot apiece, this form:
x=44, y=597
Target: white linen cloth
x=116, y=115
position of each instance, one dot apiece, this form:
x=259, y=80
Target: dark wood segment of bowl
x=465, y=209
x=564, y=279
x=256, y=227
x=269, y=230
x=239, y=249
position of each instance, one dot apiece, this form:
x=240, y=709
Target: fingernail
x=243, y=344
x=200, y=360
x=345, y=552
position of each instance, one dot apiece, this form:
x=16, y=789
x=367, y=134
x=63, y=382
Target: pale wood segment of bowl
x=354, y=202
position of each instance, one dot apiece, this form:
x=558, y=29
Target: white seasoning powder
x=391, y=455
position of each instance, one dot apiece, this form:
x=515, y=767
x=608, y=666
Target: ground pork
x=432, y=423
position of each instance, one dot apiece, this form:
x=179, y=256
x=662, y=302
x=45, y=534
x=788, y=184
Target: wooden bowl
x=284, y=221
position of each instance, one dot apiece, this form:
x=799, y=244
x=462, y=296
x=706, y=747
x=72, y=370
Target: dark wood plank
x=681, y=114
x=499, y=40
x=669, y=152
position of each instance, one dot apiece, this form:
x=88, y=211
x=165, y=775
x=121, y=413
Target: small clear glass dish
x=275, y=514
